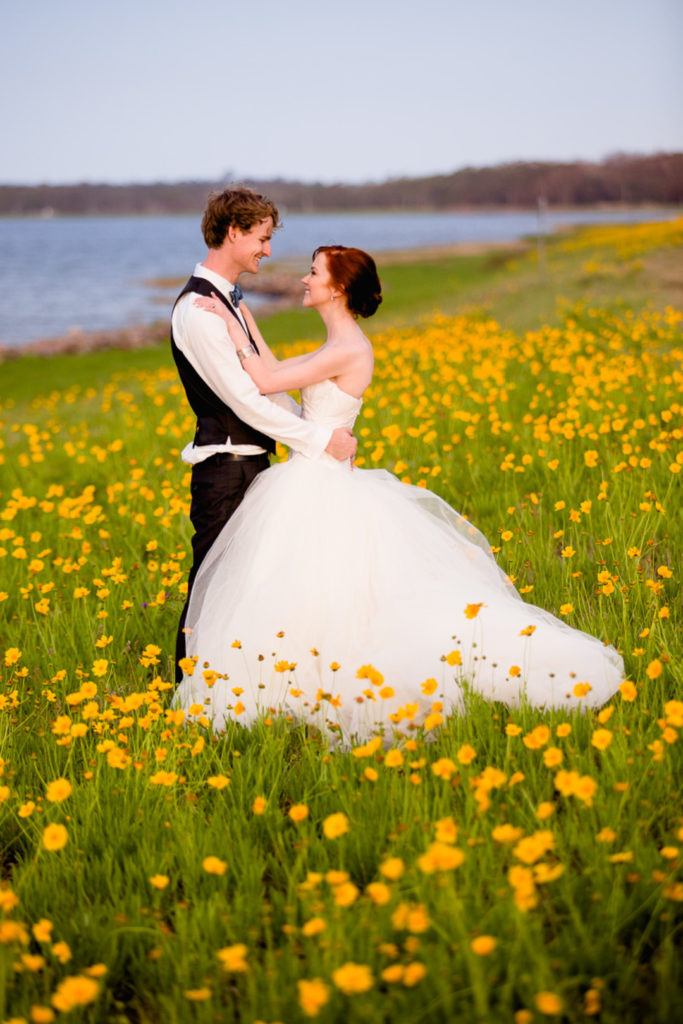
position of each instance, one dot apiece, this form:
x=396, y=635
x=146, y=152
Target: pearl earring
x=331, y=296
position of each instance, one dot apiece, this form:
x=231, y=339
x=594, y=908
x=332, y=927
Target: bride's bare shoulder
x=354, y=340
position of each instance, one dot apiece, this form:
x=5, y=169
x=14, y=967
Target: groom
x=236, y=426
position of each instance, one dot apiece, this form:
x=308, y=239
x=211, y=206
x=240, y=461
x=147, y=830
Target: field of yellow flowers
x=510, y=867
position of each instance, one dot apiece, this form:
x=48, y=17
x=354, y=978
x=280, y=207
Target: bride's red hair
x=355, y=273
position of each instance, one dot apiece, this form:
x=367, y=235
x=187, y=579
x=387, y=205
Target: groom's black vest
x=216, y=422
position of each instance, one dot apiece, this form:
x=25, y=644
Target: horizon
x=230, y=179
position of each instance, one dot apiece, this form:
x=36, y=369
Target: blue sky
x=145, y=90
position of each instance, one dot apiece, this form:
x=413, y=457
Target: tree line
x=623, y=178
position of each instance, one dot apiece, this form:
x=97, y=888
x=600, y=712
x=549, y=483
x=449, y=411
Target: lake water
x=94, y=272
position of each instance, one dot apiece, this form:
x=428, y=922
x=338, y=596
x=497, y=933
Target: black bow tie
x=236, y=295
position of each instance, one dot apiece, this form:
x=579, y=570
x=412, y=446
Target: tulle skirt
x=361, y=605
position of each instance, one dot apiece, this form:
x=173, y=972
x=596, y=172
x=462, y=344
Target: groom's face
x=250, y=247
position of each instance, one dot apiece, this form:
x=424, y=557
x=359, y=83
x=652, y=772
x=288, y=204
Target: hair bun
x=369, y=306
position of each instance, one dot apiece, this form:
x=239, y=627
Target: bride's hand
x=214, y=305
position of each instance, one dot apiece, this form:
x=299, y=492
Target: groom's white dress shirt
x=203, y=339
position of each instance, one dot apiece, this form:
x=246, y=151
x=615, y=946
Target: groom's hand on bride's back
x=342, y=444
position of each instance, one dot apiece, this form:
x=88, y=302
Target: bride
x=343, y=598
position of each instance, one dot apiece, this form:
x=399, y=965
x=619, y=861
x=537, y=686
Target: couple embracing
x=332, y=595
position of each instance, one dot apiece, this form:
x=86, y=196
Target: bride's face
x=319, y=286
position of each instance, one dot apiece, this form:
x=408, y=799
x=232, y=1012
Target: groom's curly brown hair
x=239, y=207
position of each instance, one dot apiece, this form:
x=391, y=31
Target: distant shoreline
x=624, y=179
x=375, y=211
x=277, y=285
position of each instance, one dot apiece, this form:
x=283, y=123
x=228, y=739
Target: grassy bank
x=508, y=865
x=612, y=269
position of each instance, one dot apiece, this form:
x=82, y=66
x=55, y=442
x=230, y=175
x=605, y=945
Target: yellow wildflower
x=549, y=1004
x=601, y=739
x=314, y=927
x=654, y=669
x=42, y=930
x=218, y=781
x=77, y=990
x=234, y=958
x=214, y=866
x=444, y=768
x=55, y=837
x=378, y=892
x=506, y=833
x=413, y=974
x=352, y=978
x=466, y=754
x=313, y=995
x=440, y=857
x=335, y=825
x=392, y=868
x=345, y=894
x=483, y=945
x=552, y=757
x=533, y=847
x=58, y=790
x=197, y=995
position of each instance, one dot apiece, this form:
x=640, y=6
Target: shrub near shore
x=520, y=866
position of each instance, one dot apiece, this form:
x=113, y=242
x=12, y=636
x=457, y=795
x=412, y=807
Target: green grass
x=554, y=440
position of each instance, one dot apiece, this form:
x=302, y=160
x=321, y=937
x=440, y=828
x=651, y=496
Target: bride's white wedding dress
x=323, y=571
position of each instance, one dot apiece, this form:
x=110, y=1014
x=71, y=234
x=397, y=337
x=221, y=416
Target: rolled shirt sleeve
x=286, y=402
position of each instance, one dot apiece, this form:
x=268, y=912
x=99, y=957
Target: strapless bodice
x=324, y=402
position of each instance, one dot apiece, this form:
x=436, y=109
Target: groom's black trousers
x=217, y=488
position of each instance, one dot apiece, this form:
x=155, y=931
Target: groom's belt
x=235, y=457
